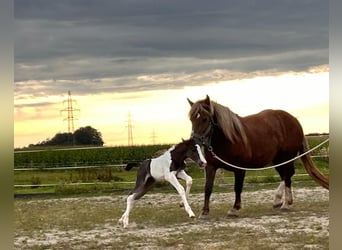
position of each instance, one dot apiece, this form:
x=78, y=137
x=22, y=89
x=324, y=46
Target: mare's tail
x=312, y=170
x=131, y=165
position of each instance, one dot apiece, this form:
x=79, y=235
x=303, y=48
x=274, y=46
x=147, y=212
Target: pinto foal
x=167, y=167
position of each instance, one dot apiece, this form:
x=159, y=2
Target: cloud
x=99, y=46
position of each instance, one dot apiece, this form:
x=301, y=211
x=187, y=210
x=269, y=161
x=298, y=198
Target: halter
x=205, y=139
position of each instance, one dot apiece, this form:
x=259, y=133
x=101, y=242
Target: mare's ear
x=207, y=100
x=183, y=140
x=190, y=102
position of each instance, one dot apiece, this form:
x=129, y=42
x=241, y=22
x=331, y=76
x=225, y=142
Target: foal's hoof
x=233, y=213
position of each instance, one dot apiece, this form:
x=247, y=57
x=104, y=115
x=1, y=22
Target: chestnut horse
x=269, y=137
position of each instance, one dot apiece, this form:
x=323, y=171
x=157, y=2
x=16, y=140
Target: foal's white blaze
x=199, y=151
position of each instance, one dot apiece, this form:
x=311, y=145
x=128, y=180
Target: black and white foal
x=167, y=167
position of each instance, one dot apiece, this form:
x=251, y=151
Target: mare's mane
x=227, y=120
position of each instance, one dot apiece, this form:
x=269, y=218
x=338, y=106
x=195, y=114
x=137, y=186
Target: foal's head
x=189, y=149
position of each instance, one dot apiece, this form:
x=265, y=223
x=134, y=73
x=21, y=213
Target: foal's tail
x=312, y=170
x=131, y=165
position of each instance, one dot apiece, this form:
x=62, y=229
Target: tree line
x=82, y=136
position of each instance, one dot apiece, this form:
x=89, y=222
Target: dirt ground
x=158, y=223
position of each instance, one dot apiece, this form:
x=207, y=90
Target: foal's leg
x=136, y=194
x=124, y=220
x=171, y=177
x=188, y=180
x=239, y=176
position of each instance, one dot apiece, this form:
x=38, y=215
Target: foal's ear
x=190, y=102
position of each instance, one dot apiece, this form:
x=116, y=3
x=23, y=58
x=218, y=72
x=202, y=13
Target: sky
x=144, y=58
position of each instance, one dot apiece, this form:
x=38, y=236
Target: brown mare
x=271, y=136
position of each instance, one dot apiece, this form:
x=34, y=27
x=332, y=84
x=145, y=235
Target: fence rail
x=111, y=182
x=126, y=182
x=75, y=165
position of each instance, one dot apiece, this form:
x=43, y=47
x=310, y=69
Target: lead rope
x=269, y=167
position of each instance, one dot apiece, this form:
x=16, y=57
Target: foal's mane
x=227, y=120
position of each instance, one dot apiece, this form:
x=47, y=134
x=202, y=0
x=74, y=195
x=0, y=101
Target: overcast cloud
x=95, y=46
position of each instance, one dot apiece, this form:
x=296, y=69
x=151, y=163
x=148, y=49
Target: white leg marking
x=124, y=220
x=174, y=182
x=288, y=198
x=188, y=180
x=279, y=194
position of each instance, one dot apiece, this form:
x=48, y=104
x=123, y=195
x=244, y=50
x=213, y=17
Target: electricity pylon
x=130, y=129
x=70, y=113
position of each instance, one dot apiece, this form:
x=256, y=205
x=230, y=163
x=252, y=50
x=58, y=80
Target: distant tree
x=61, y=139
x=88, y=136
x=82, y=136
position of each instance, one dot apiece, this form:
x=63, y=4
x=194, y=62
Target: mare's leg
x=239, y=176
x=174, y=182
x=285, y=172
x=277, y=202
x=188, y=180
x=288, y=192
x=210, y=173
x=136, y=194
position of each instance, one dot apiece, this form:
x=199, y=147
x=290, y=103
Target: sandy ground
x=110, y=232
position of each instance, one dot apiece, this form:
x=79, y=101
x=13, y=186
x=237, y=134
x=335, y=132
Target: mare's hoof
x=278, y=205
x=233, y=213
x=285, y=208
x=204, y=217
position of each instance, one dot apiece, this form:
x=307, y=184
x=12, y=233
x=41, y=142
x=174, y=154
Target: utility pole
x=153, y=137
x=130, y=129
x=70, y=113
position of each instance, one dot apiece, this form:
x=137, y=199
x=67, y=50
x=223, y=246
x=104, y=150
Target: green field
x=38, y=172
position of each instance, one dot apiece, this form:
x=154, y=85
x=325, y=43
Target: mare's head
x=206, y=115
x=188, y=149
x=201, y=116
